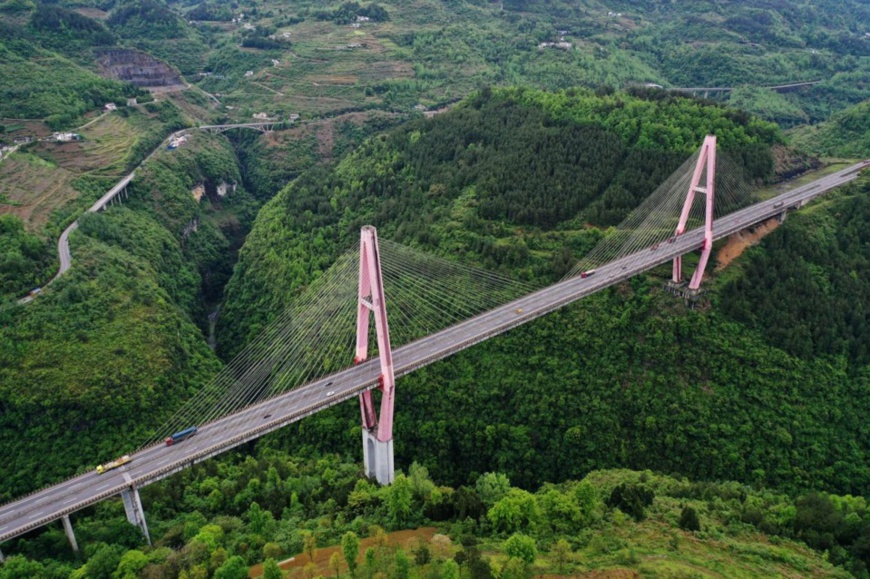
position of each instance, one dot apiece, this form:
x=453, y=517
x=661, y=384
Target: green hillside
x=506, y=135
x=469, y=178
x=625, y=378
x=116, y=344
x=431, y=52
x=150, y=25
x=319, y=517
x=49, y=86
x=846, y=134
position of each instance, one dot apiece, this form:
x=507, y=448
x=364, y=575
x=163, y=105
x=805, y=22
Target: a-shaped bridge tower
x=705, y=169
x=377, y=431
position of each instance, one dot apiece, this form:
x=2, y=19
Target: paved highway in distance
x=159, y=461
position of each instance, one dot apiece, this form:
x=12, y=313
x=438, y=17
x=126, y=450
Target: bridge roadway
x=777, y=88
x=111, y=193
x=159, y=461
x=262, y=125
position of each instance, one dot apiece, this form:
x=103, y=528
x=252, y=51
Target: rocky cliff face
x=137, y=67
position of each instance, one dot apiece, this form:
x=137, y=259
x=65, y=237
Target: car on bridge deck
x=585, y=274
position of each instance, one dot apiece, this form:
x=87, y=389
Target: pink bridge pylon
x=377, y=432
x=707, y=159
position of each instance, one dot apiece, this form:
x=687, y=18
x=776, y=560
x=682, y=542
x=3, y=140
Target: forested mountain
x=765, y=384
x=403, y=51
x=466, y=179
x=90, y=367
x=626, y=378
x=46, y=85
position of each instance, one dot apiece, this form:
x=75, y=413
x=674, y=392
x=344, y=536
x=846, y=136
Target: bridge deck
x=111, y=193
x=159, y=461
x=778, y=87
x=239, y=125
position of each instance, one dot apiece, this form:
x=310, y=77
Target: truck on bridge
x=114, y=464
x=179, y=436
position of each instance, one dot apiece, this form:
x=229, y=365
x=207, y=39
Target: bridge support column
x=377, y=431
x=706, y=168
x=378, y=457
x=67, y=527
x=783, y=215
x=2, y=558
x=135, y=512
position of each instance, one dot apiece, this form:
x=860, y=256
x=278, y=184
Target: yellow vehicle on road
x=114, y=464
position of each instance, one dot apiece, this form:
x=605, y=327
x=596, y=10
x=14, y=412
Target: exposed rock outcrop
x=225, y=188
x=191, y=227
x=198, y=191
x=137, y=67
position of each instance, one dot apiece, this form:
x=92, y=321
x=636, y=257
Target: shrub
x=689, y=520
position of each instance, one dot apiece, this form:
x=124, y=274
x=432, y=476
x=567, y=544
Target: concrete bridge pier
x=378, y=457
x=2, y=558
x=135, y=512
x=783, y=215
x=67, y=527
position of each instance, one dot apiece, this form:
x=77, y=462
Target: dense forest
x=321, y=517
x=807, y=290
x=24, y=257
x=507, y=158
x=151, y=26
x=654, y=386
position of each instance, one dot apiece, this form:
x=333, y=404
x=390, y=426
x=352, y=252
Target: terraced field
x=31, y=188
x=105, y=147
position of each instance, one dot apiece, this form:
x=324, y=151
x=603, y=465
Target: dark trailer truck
x=179, y=436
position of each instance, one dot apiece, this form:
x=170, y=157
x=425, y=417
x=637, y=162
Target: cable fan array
x=655, y=220
x=315, y=336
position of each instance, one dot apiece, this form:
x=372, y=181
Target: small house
x=66, y=137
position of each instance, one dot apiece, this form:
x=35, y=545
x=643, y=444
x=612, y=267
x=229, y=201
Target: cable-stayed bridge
x=300, y=364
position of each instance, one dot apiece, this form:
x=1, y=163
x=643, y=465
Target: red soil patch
x=404, y=539
x=738, y=242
